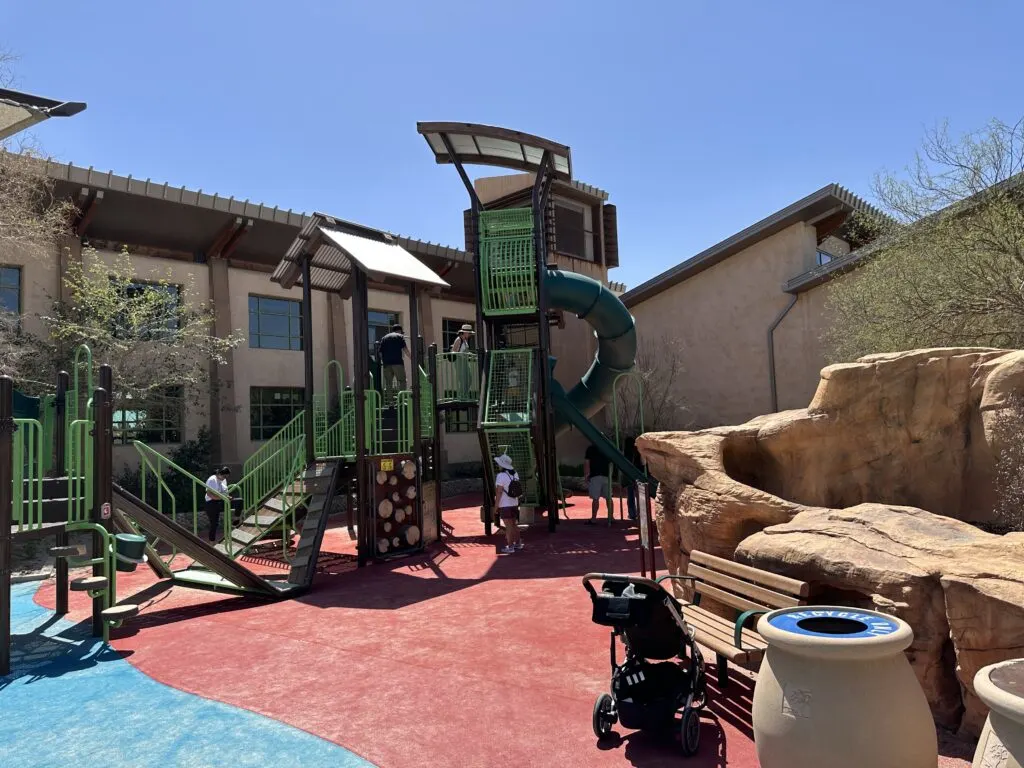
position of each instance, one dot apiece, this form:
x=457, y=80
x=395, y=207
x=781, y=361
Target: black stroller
x=663, y=671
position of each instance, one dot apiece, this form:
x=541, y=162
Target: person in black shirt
x=392, y=348
x=595, y=471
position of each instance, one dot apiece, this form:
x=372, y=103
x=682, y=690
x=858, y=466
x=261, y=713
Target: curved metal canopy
x=476, y=144
x=19, y=111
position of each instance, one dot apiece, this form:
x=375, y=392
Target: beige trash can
x=836, y=690
x=1001, y=687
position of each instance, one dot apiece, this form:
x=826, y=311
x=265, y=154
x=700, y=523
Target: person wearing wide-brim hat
x=461, y=343
x=507, y=490
x=463, y=374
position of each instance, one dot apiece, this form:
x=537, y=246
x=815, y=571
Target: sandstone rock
x=835, y=494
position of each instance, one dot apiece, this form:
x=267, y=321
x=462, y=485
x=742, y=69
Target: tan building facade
x=225, y=250
x=748, y=313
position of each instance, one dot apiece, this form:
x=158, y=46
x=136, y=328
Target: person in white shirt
x=507, y=490
x=218, y=482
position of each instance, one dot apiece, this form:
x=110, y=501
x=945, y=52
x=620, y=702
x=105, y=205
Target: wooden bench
x=749, y=591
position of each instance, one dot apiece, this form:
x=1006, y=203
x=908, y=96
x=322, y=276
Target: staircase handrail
x=149, y=455
x=294, y=428
x=261, y=481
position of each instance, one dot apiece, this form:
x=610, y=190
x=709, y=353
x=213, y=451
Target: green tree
x=947, y=269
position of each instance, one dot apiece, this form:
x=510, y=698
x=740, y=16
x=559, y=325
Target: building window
x=380, y=323
x=159, y=418
x=275, y=323
x=450, y=329
x=460, y=420
x=571, y=233
x=10, y=290
x=152, y=313
x=270, y=408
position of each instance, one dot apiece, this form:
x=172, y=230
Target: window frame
x=575, y=208
x=460, y=421
x=260, y=430
x=147, y=285
x=290, y=339
x=19, y=288
x=170, y=431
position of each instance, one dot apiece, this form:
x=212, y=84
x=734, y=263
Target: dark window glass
x=157, y=418
x=270, y=408
x=275, y=323
x=460, y=420
x=10, y=289
x=570, y=234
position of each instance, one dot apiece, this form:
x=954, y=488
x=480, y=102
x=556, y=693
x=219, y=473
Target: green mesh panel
x=509, y=387
x=508, y=267
x=518, y=444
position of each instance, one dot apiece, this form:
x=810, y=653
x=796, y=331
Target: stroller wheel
x=689, y=731
x=604, y=715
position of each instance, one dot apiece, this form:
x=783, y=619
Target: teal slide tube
x=616, y=353
x=616, y=338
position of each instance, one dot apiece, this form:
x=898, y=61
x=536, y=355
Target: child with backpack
x=507, y=492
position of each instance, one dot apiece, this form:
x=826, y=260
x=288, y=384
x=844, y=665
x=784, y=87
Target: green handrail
x=82, y=361
x=159, y=464
x=374, y=422
x=291, y=498
x=287, y=433
x=615, y=418
x=267, y=478
x=27, y=497
x=106, y=559
x=79, y=457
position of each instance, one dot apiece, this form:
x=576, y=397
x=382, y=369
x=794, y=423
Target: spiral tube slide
x=589, y=300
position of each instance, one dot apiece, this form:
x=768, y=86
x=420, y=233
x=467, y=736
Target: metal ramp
x=319, y=481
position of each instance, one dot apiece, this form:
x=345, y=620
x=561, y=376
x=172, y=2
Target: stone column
x=223, y=413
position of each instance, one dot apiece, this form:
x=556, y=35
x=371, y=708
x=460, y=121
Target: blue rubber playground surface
x=70, y=700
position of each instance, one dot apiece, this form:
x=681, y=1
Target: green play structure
x=523, y=408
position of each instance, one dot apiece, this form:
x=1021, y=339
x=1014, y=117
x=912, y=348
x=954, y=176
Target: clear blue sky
x=698, y=116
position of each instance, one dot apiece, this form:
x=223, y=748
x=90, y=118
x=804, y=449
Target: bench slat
x=766, y=597
x=710, y=637
x=722, y=629
x=727, y=598
x=773, y=580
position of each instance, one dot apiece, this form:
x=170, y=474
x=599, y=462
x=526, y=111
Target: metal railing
x=457, y=379
x=27, y=497
x=78, y=446
x=157, y=466
x=294, y=428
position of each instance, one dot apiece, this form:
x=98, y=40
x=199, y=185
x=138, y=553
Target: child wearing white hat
x=507, y=491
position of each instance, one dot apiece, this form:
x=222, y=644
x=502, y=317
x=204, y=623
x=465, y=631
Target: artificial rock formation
x=835, y=494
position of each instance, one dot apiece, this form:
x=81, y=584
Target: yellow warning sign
x=387, y=465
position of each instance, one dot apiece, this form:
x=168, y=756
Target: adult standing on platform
x=392, y=350
x=462, y=372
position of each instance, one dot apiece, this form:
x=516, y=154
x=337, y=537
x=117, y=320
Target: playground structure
x=378, y=449
x=522, y=407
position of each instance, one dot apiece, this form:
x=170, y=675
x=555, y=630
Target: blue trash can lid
x=848, y=624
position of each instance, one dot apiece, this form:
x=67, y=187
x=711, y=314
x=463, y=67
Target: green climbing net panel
x=518, y=444
x=508, y=268
x=509, y=387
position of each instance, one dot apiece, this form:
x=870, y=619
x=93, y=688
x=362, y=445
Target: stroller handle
x=615, y=577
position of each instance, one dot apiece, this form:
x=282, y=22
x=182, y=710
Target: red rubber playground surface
x=459, y=657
